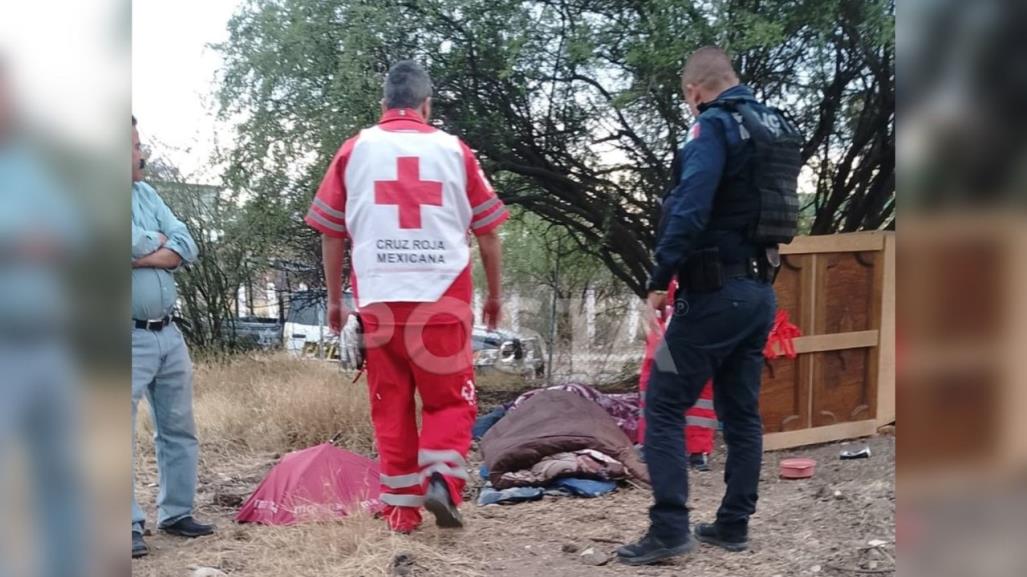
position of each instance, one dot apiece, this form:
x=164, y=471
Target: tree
x=230, y=236
x=542, y=262
x=573, y=105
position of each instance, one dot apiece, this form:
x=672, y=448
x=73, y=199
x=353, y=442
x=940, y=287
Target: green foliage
x=540, y=257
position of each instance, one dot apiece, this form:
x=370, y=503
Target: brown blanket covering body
x=554, y=422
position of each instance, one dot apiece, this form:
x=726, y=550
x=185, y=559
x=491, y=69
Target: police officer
x=734, y=200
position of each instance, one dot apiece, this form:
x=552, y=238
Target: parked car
x=306, y=325
x=243, y=332
x=507, y=352
x=259, y=333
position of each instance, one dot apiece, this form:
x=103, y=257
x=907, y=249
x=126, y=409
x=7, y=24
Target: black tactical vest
x=761, y=199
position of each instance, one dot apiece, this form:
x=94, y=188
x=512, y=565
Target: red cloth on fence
x=781, y=334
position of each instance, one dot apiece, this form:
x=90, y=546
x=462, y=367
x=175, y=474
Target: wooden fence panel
x=839, y=290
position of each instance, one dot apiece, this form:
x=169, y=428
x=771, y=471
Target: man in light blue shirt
x=41, y=233
x=161, y=368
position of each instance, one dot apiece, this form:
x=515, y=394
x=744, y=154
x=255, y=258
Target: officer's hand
x=654, y=311
x=336, y=313
x=657, y=301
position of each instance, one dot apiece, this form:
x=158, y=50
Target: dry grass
x=249, y=407
x=273, y=404
x=355, y=546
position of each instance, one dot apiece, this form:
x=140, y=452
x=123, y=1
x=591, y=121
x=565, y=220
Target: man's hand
x=164, y=258
x=491, y=249
x=351, y=339
x=337, y=313
x=492, y=312
x=163, y=239
x=657, y=301
x=655, y=307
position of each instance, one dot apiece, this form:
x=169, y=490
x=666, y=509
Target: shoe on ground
x=699, y=462
x=187, y=527
x=649, y=550
x=139, y=548
x=439, y=503
x=712, y=534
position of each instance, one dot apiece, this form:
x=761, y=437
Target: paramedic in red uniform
x=405, y=195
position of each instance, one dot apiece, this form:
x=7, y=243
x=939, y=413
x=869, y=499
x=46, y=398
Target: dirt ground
x=841, y=522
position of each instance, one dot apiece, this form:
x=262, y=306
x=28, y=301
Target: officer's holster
x=705, y=272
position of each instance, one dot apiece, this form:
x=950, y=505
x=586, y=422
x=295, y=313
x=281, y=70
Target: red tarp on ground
x=316, y=483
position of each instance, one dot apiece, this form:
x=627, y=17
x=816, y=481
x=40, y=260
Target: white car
x=306, y=331
x=507, y=352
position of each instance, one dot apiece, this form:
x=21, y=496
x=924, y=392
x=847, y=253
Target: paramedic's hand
x=351, y=343
x=336, y=313
x=492, y=312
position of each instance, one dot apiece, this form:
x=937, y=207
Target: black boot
x=187, y=527
x=139, y=548
x=730, y=539
x=438, y=502
x=650, y=550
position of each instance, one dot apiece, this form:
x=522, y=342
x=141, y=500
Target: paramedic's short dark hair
x=407, y=85
x=133, y=120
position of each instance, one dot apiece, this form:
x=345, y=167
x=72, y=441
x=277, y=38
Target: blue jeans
x=161, y=369
x=721, y=335
x=39, y=400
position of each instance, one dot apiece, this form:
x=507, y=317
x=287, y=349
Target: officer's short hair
x=407, y=85
x=709, y=66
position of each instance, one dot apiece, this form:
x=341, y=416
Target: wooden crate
x=840, y=291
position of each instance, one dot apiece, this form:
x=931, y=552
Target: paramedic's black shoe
x=650, y=550
x=699, y=462
x=438, y=502
x=187, y=527
x=139, y=548
x=712, y=534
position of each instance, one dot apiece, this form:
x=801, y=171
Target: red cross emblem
x=408, y=192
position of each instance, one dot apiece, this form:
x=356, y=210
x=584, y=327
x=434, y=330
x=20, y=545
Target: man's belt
x=155, y=325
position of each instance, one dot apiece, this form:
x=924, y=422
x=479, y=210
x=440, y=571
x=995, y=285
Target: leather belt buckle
x=153, y=325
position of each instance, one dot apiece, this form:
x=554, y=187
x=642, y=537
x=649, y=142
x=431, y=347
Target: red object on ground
x=797, y=468
x=701, y=419
x=315, y=483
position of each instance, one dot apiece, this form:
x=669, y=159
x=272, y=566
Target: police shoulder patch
x=693, y=132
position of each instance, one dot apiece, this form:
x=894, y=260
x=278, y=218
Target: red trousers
x=435, y=361
x=701, y=419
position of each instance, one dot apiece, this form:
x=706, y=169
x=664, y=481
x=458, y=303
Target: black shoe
x=438, y=502
x=139, y=548
x=711, y=534
x=650, y=550
x=187, y=527
x=699, y=462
